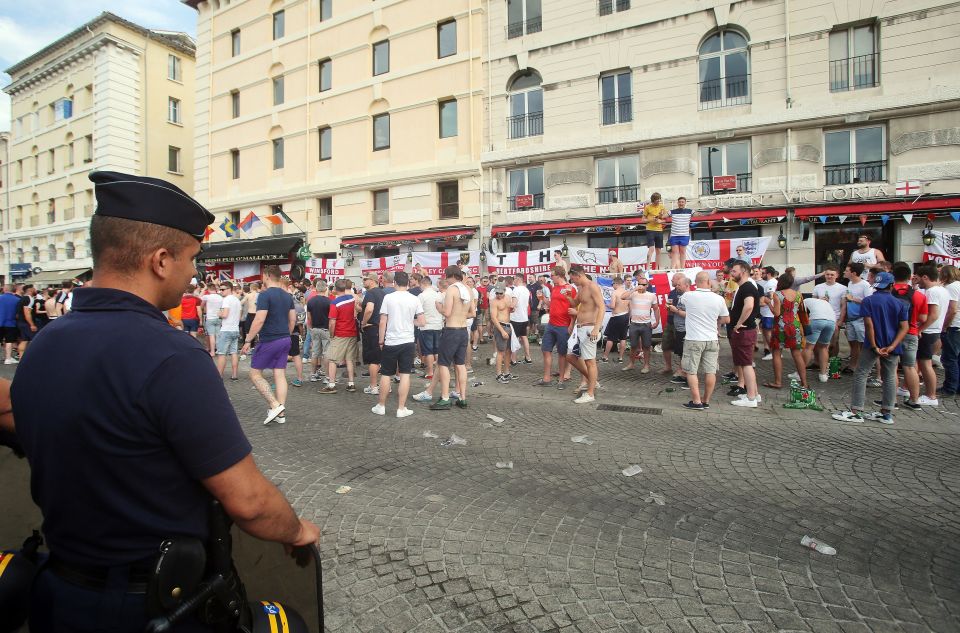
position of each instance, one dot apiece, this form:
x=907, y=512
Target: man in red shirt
x=343, y=332
x=558, y=329
x=190, y=311
x=918, y=312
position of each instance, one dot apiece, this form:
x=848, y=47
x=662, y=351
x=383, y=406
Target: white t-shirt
x=937, y=296
x=868, y=259
x=642, y=305
x=820, y=308
x=231, y=322
x=953, y=289
x=767, y=288
x=211, y=306
x=428, y=305
x=703, y=308
x=859, y=290
x=832, y=294
x=521, y=314
x=401, y=308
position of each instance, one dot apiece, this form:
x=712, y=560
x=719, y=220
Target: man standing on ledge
x=589, y=311
x=119, y=466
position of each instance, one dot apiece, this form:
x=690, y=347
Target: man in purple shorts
x=274, y=323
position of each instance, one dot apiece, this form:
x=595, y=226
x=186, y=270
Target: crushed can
x=802, y=398
x=835, y=367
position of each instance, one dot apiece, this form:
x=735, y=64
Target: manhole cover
x=619, y=408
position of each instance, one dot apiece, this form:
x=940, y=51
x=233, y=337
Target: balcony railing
x=616, y=110
x=381, y=216
x=612, y=195
x=606, y=7
x=854, y=73
x=523, y=125
x=449, y=210
x=68, y=213
x=724, y=92
x=518, y=29
x=537, y=203
x=743, y=185
x=874, y=171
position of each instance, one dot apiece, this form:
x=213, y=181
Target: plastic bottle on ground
x=823, y=548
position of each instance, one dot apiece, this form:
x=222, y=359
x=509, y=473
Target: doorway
x=834, y=243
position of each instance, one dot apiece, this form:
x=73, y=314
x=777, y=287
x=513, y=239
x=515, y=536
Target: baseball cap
x=883, y=280
x=500, y=288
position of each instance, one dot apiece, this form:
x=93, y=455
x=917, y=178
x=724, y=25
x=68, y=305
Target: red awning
x=907, y=205
x=464, y=232
x=572, y=225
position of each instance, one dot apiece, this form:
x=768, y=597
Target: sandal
x=771, y=385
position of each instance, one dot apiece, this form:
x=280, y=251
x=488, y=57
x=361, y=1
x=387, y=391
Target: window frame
x=325, y=129
x=174, y=156
x=277, y=83
x=386, y=195
x=618, y=189
x=321, y=214
x=173, y=111
x=235, y=43
x=235, y=164
x=325, y=63
x=456, y=115
x=329, y=5
x=440, y=27
x=618, y=110
x=174, y=68
x=448, y=184
x=374, y=119
x=854, y=161
x=235, y=104
x=724, y=99
x=279, y=24
x=373, y=51
x=705, y=177
x=527, y=129
x=278, y=152
x=511, y=197
x=850, y=66
x=526, y=28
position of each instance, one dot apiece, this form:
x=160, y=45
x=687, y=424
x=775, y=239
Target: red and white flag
x=909, y=188
x=524, y=262
x=433, y=264
x=326, y=269
x=383, y=264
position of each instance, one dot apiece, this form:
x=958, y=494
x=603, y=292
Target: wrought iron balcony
x=616, y=111
x=524, y=27
x=854, y=73
x=612, y=195
x=724, y=92
x=873, y=171
x=523, y=125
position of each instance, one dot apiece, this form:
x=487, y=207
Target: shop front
x=379, y=252
x=243, y=259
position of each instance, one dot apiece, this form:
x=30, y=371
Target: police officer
x=139, y=432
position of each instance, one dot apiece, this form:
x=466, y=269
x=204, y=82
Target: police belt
x=96, y=578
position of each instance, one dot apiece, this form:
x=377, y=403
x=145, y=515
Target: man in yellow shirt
x=653, y=215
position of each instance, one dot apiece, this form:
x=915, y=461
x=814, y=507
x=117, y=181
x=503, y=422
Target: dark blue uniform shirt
x=133, y=414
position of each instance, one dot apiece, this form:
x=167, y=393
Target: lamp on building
x=483, y=255
x=928, y=237
x=410, y=255
x=564, y=252
x=348, y=257
x=782, y=239
x=464, y=259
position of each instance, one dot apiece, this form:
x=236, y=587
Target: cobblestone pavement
x=435, y=538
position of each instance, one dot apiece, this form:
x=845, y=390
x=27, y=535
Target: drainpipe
x=489, y=97
x=786, y=49
x=789, y=170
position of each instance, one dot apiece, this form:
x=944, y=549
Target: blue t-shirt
x=886, y=312
x=278, y=304
x=9, y=306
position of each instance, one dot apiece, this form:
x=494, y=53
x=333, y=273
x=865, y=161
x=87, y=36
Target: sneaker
x=886, y=418
x=645, y=370
x=404, y=412
x=352, y=388
x=273, y=414
x=562, y=384
x=11, y=361
x=584, y=398
x=604, y=360
x=373, y=391
x=746, y=402
x=873, y=382
x=737, y=390
x=328, y=388
x=847, y=416
x=469, y=370
x=296, y=382
x=503, y=379
x=730, y=376
x=743, y=396
x=879, y=403
x=423, y=396
x=379, y=409
x=685, y=386
x=793, y=376
x=474, y=347
x=678, y=380
x=696, y=406
x=315, y=377
x=767, y=356
x=440, y=405
x=454, y=394
x=823, y=377
x=618, y=360
x=281, y=419
x=913, y=406
x=928, y=402
x=365, y=373
x=627, y=368
x=543, y=383
x=461, y=403
x=512, y=376
x=658, y=349
x=903, y=392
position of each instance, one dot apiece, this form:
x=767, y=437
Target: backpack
x=908, y=297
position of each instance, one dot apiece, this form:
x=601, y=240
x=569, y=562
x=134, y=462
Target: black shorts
x=453, y=347
x=519, y=328
x=371, y=345
x=9, y=334
x=294, y=345
x=397, y=359
x=616, y=330
x=926, y=345
x=26, y=334
x=677, y=343
x=655, y=238
x=476, y=324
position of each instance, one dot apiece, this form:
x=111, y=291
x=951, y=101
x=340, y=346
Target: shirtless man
x=865, y=254
x=457, y=307
x=500, y=322
x=589, y=311
x=615, y=267
x=616, y=332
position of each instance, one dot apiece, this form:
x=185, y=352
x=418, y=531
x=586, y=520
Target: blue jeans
x=950, y=357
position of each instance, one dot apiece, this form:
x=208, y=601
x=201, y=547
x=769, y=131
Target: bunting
x=208, y=232
x=908, y=217
x=229, y=228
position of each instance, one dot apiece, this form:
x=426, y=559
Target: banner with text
x=597, y=260
x=383, y=264
x=327, y=269
x=433, y=264
x=944, y=250
x=711, y=254
x=524, y=262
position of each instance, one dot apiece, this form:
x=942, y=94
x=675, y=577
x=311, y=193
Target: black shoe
x=365, y=374
x=461, y=403
x=736, y=390
x=879, y=403
x=696, y=406
x=352, y=388
x=678, y=380
x=913, y=406
x=730, y=376
x=527, y=361
x=604, y=360
x=441, y=405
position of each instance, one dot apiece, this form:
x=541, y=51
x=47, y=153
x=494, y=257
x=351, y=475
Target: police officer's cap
x=152, y=200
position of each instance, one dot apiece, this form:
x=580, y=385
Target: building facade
x=810, y=113
x=110, y=95
x=358, y=124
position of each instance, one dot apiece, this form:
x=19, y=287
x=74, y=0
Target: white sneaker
x=282, y=419
x=273, y=414
x=847, y=416
x=793, y=375
x=823, y=377
x=767, y=357
x=745, y=402
x=379, y=409
x=903, y=392
x=11, y=361
x=455, y=394
x=373, y=391
x=874, y=382
x=423, y=396
x=928, y=402
x=743, y=396
x=584, y=399
x=657, y=348
x=404, y=412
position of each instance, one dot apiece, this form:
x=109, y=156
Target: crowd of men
x=25, y=309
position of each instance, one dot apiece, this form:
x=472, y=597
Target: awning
x=446, y=233
x=248, y=250
x=52, y=277
x=753, y=216
x=906, y=205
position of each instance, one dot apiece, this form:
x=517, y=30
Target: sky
x=26, y=27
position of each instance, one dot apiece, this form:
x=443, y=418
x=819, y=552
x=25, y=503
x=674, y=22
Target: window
x=326, y=9
x=36, y=164
x=51, y=211
x=52, y=252
x=69, y=162
x=235, y=103
x=724, y=70
x=381, y=207
x=526, y=188
x=606, y=7
x=235, y=164
x=326, y=143
x=278, y=25
x=326, y=74
x=616, y=98
x=278, y=90
x=275, y=209
x=20, y=170
x=729, y=159
x=19, y=255
x=854, y=156
x=617, y=179
x=35, y=253
x=62, y=109
x=173, y=68
x=381, y=131
x=234, y=217
x=325, y=219
x=448, y=118
x=523, y=17
x=624, y=240
x=173, y=159
x=278, y=153
x=173, y=110
x=381, y=57
x=234, y=42
x=51, y=161
x=854, y=60
x=70, y=251
x=447, y=38
x=449, y=194
x=526, y=106
x=88, y=154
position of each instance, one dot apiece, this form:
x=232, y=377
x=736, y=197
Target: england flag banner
x=524, y=262
x=383, y=264
x=711, y=254
x=433, y=264
x=661, y=282
x=597, y=260
x=326, y=269
x=944, y=250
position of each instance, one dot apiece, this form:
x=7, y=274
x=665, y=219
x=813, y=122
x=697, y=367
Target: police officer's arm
x=257, y=507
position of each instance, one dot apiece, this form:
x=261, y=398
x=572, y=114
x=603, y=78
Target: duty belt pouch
x=176, y=575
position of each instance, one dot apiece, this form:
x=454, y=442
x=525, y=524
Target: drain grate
x=619, y=408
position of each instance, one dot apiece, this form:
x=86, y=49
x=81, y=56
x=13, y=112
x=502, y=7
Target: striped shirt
x=680, y=222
